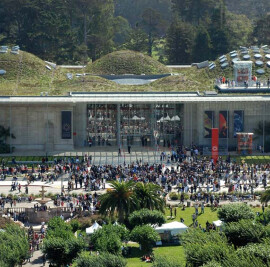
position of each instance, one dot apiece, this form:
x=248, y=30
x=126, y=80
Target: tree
x=13, y=246
x=179, y=43
x=245, y=231
x=121, y=199
x=102, y=260
x=235, y=212
x=60, y=244
x=144, y=235
x=153, y=24
x=265, y=197
x=218, y=32
x=146, y=216
x=109, y=238
x=137, y=40
x=148, y=195
x=201, y=248
x=202, y=47
x=260, y=251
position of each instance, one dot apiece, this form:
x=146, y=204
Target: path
x=36, y=260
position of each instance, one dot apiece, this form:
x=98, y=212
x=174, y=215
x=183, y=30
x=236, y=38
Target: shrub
x=173, y=196
x=13, y=246
x=75, y=225
x=62, y=251
x=244, y=232
x=144, y=235
x=235, y=213
x=201, y=248
x=109, y=238
x=102, y=260
x=146, y=216
x=165, y=262
x=260, y=251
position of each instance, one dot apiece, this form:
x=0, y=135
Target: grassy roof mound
x=24, y=65
x=126, y=62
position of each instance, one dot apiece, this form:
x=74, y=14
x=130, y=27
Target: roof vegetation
x=28, y=75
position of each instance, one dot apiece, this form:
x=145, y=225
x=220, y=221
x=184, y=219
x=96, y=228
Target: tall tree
x=202, y=45
x=121, y=199
x=153, y=24
x=149, y=197
x=179, y=42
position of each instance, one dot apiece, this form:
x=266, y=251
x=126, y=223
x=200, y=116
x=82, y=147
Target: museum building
x=156, y=119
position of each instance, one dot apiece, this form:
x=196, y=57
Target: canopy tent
x=93, y=228
x=174, y=227
x=218, y=223
x=175, y=118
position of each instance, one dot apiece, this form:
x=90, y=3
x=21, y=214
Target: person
x=129, y=148
x=193, y=218
x=175, y=212
x=202, y=208
x=263, y=208
x=268, y=83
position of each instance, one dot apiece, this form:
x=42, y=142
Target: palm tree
x=265, y=196
x=121, y=199
x=149, y=197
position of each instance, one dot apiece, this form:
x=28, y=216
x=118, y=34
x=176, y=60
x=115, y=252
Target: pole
x=10, y=145
x=47, y=130
x=263, y=124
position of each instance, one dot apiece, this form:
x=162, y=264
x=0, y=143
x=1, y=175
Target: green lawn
x=174, y=252
x=209, y=215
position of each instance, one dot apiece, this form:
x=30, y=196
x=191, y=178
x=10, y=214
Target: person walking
x=129, y=148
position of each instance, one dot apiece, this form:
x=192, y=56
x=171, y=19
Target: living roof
x=28, y=75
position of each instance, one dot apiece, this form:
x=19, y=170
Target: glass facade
x=146, y=125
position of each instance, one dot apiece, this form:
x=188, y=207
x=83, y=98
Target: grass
x=126, y=62
x=173, y=252
x=27, y=75
x=209, y=215
x=262, y=159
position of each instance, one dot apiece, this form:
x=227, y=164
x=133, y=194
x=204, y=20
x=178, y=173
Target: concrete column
x=118, y=125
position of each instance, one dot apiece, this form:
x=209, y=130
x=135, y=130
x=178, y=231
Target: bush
x=244, y=232
x=102, y=260
x=60, y=244
x=109, y=238
x=146, y=216
x=260, y=251
x=235, y=213
x=13, y=246
x=62, y=251
x=75, y=225
x=173, y=196
x=144, y=235
x=165, y=262
x=201, y=248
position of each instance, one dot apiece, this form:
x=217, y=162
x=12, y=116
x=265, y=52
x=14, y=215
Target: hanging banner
x=66, y=125
x=238, y=122
x=215, y=144
x=223, y=124
x=208, y=123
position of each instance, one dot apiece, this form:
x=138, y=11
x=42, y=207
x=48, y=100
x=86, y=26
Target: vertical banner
x=215, y=144
x=223, y=124
x=208, y=123
x=238, y=122
x=66, y=125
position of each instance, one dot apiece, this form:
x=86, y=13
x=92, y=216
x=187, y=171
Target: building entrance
x=139, y=125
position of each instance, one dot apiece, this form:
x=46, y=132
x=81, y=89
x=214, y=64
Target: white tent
x=175, y=118
x=93, y=228
x=218, y=223
x=174, y=227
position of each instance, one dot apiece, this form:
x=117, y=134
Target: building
x=73, y=122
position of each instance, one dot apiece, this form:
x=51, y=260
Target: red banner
x=215, y=144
